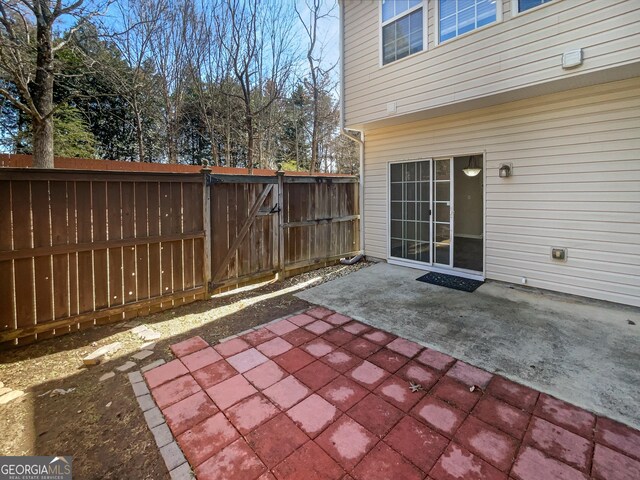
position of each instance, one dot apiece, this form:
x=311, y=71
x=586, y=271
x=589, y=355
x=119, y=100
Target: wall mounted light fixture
x=505, y=170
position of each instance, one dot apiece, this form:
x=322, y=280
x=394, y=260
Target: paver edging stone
x=174, y=459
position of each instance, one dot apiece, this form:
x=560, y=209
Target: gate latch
x=268, y=210
x=276, y=209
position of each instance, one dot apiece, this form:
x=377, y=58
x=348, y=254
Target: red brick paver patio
x=320, y=396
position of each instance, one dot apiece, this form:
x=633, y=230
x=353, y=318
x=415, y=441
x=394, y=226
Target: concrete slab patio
x=584, y=352
x=318, y=395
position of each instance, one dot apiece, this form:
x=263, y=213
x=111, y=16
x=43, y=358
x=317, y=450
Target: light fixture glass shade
x=471, y=172
x=472, y=168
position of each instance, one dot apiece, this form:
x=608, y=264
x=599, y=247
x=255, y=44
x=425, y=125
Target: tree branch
x=6, y=94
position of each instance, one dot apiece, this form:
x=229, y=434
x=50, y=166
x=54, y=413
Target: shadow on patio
x=100, y=423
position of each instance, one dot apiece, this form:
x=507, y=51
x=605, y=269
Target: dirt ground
x=100, y=423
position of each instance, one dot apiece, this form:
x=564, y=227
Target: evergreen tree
x=71, y=134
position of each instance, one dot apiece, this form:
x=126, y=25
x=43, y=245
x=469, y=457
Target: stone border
x=173, y=457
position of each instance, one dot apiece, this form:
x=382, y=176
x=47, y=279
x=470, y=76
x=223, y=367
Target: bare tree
x=172, y=44
x=208, y=69
x=27, y=59
x=319, y=77
x=346, y=153
x=137, y=23
x=260, y=57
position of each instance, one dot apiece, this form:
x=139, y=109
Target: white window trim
x=436, y=23
x=515, y=11
x=425, y=21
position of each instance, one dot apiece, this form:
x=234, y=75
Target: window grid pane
x=410, y=211
x=402, y=37
x=393, y=8
x=462, y=16
x=387, y=9
x=524, y=5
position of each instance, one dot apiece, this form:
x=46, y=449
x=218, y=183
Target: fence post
x=206, y=223
x=281, y=237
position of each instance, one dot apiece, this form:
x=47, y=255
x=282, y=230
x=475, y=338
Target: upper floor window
x=461, y=16
x=402, y=29
x=527, y=4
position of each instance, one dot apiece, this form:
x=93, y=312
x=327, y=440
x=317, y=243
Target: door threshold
x=470, y=274
x=458, y=273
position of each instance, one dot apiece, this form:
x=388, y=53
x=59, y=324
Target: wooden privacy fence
x=80, y=248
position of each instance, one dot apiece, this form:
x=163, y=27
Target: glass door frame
x=431, y=266
x=434, y=217
x=400, y=260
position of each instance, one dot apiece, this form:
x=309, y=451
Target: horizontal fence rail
x=79, y=248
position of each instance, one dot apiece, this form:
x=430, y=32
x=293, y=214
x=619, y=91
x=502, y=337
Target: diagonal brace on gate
x=241, y=234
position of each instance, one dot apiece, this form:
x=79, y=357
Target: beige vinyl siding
x=515, y=53
x=576, y=184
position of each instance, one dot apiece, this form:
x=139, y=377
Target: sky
x=328, y=28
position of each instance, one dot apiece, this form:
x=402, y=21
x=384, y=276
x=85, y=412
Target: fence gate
x=244, y=222
x=282, y=224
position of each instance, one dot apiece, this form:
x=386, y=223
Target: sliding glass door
x=420, y=224
x=410, y=210
x=422, y=200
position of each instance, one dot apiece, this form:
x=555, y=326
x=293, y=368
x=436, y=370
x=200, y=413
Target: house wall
x=511, y=59
x=575, y=184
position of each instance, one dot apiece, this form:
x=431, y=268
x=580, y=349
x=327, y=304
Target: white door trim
x=432, y=267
